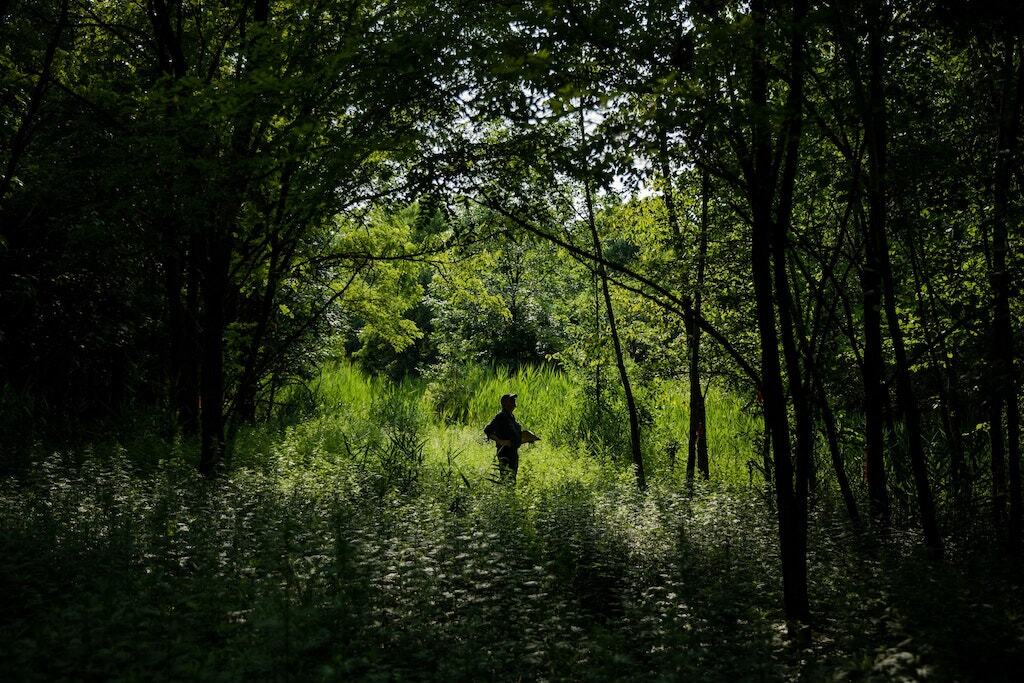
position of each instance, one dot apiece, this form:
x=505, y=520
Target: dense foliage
x=761, y=259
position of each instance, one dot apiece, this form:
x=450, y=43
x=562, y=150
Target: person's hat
x=507, y=397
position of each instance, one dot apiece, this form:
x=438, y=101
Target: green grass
x=731, y=429
x=551, y=403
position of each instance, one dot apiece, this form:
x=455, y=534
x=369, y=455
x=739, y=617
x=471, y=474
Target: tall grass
x=732, y=430
x=351, y=412
x=553, y=404
x=548, y=398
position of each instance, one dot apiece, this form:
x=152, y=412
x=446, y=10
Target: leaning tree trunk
x=831, y=430
x=23, y=133
x=634, y=420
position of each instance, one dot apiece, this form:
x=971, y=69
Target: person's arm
x=493, y=429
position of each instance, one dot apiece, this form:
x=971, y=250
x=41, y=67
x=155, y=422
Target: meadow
x=364, y=538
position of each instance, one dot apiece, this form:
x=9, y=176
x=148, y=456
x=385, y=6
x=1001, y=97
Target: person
x=508, y=436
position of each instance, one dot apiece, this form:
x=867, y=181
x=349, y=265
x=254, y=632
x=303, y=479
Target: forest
x=750, y=270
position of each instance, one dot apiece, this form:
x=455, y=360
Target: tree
x=1003, y=375
x=613, y=330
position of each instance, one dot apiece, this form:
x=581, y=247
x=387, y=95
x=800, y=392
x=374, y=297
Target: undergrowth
x=369, y=542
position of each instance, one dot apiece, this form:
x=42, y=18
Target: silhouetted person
x=508, y=435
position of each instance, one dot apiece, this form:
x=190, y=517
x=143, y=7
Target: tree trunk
x=597, y=335
x=634, y=421
x=1002, y=370
x=1013, y=437
x=997, y=446
x=791, y=528
x=766, y=454
x=874, y=387
x=181, y=256
x=876, y=396
x=178, y=351
x=697, y=448
x=214, y=295
x=252, y=367
x=217, y=277
x=765, y=243
x=875, y=126
x=831, y=430
x=189, y=391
